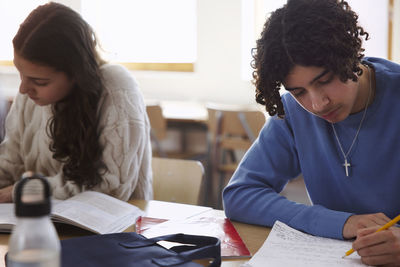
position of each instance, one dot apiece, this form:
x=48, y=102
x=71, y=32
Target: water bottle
x=34, y=241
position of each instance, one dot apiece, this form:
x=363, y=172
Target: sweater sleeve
x=11, y=162
x=252, y=195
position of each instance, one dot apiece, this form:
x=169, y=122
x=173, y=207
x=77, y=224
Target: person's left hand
x=378, y=248
x=6, y=194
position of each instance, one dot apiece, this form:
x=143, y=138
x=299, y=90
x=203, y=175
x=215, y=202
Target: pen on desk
x=386, y=226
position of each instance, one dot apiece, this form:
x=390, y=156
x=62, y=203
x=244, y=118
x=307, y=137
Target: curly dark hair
x=56, y=36
x=321, y=33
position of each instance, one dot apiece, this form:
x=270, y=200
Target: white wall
x=375, y=23
x=217, y=75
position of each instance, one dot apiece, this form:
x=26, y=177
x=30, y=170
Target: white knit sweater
x=125, y=136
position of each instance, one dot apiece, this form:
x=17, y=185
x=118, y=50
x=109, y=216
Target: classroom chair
x=231, y=131
x=160, y=140
x=177, y=180
x=158, y=130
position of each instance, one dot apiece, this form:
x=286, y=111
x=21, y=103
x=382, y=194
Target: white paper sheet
x=7, y=217
x=286, y=246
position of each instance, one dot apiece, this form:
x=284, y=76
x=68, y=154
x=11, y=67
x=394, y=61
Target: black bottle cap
x=32, y=196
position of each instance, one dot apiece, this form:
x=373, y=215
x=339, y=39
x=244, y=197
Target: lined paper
x=286, y=246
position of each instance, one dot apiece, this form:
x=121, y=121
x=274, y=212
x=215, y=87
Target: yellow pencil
x=386, y=226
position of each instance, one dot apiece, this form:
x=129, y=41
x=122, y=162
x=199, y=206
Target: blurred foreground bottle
x=34, y=241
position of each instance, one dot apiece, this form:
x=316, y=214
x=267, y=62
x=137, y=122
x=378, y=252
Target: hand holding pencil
x=384, y=227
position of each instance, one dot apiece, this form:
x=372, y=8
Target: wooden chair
x=177, y=180
x=232, y=130
x=158, y=130
x=161, y=142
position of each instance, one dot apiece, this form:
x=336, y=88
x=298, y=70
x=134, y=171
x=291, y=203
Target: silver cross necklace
x=346, y=163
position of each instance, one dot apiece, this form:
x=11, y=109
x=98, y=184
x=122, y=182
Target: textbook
x=232, y=245
x=93, y=211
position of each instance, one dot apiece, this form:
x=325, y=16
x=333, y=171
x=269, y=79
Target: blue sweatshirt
x=304, y=143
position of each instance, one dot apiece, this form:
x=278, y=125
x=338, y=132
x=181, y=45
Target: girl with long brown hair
x=77, y=120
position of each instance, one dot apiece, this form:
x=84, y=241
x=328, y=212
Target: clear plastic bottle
x=34, y=241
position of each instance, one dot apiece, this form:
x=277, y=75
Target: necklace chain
x=346, y=164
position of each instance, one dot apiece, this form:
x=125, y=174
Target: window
x=141, y=34
x=12, y=14
x=151, y=31
x=254, y=14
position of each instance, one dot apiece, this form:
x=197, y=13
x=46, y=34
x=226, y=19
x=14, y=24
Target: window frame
x=142, y=66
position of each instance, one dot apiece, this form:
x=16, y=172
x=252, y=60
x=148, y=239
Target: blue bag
x=132, y=249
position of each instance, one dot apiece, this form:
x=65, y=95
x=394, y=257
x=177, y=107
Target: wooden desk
x=181, y=111
x=184, y=112
x=253, y=236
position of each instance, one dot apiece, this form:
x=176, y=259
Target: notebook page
x=7, y=217
x=286, y=246
x=97, y=212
